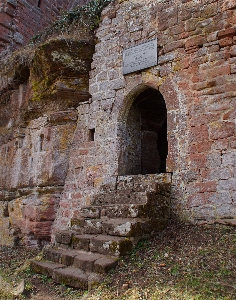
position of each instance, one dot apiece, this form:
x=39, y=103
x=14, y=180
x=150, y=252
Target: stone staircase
x=127, y=209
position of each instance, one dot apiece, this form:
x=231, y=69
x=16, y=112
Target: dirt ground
x=182, y=262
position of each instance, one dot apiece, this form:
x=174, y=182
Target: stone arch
x=142, y=133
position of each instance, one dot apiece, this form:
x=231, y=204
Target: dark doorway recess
x=40, y=2
x=146, y=146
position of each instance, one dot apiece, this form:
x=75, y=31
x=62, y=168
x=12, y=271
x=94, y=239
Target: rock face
x=38, y=120
x=71, y=122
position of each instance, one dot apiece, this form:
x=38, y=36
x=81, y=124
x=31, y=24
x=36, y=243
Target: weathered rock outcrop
x=38, y=120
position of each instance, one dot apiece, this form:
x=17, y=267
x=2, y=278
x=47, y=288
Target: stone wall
x=60, y=144
x=196, y=77
x=20, y=20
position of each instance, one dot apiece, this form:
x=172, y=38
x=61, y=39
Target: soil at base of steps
x=177, y=255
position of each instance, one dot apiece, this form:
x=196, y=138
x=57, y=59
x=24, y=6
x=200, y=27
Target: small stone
x=162, y=265
x=62, y=289
x=125, y=286
x=19, y=290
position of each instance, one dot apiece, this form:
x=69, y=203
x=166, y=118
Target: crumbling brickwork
x=186, y=101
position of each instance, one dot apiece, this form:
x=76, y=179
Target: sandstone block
x=196, y=41
x=81, y=242
x=227, y=41
x=63, y=237
x=71, y=276
x=53, y=255
x=111, y=245
x=105, y=264
x=219, y=130
x=45, y=268
x=229, y=32
x=85, y=261
x=197, y=161
x=67, y=257
x=113, y=198
x=91, y=212
x=124, y=227
x=233, y=50
x=93, y=226
x=125, y=210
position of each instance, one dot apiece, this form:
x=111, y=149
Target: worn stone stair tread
x=82, y=241
x=111, y=245
x=136, y=183
x=72, y=277
x=126, y=227
x=122, y=198
x=76, y=277
x=105, y=264
x=60, y=255
x=85, y=260
x=117, y=227
x=94, y=262
x=105, y=237
x=53, y=254
x=123, y=220
x=116, y=211
x=102, y=237
x=45, y=268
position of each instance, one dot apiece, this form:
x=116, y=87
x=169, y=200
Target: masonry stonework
x=185, y=106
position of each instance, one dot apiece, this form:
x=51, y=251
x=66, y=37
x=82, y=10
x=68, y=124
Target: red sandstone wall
x=196, y=76
x=37, y=121
x=20, y=20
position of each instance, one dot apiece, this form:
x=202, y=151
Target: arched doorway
x=144, y=140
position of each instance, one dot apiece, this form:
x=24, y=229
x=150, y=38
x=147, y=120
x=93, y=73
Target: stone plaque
x=140, y=57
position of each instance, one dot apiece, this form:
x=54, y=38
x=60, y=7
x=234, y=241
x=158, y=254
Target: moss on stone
x=60, y=64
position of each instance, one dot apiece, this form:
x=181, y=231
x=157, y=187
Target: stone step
x=108, y=245
x=103, y=244
x=136, y=183
x=124, y=198
x=115, y=211
x=45, y=268
x=126, y=227
x=86, y=261
x=126, y=210
x=123, y=211
x=95, y=262
x=70, y=276
x=62, y=256
x=77, y=278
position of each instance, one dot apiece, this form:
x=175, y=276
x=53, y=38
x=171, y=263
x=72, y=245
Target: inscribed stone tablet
x=140, y=57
